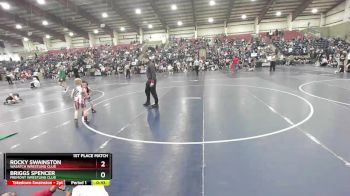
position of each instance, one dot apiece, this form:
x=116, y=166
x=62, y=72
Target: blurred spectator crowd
x=179, y=55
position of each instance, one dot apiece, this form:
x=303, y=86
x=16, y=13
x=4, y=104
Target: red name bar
x=34, y=182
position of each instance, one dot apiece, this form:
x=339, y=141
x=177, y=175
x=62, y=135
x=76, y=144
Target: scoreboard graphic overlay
x=31, y=169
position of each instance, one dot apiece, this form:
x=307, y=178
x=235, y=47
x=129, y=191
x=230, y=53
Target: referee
x=151, y=83
x=273, y=62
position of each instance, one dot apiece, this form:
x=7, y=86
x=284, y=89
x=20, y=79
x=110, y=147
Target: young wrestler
x=13, y=98
x=35, y=83
x=78, y=95
x=85, y=86
x=62, y=77
x=341, y=64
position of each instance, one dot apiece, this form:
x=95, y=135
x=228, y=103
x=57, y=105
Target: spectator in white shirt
x=35, y=83
x=36, y=75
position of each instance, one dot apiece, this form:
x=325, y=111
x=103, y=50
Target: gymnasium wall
x=155, y=35
x=240, y=27
x=246, y=27
x=185, y=32
x=272, y=24
x=302, y=22
x=103, y=40
x=339, y=30
x=79, y=42
x=335, y=25
x=336, y=15
x=125, y=38
x=57, y=44
x=210, y=30
x=10, y=52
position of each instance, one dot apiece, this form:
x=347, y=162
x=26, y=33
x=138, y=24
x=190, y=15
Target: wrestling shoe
x=155, y=106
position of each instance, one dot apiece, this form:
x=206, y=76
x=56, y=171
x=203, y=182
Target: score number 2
x=103, y=164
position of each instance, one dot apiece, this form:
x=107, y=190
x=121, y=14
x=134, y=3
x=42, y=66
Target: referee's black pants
x=151, y=90
x=9, y=79
x=127, y=75
x=272, y=65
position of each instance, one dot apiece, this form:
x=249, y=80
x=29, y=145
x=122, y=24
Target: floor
x=246, y=133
